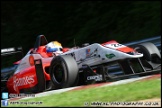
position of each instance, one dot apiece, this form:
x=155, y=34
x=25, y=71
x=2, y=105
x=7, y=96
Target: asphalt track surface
x=90, y=86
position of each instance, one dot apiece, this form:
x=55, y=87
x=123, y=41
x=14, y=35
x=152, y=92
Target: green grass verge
x=126, y=92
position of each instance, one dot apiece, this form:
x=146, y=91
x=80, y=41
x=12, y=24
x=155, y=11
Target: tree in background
x=86, y=21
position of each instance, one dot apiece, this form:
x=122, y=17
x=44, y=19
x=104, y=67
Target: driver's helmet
x=54, y=47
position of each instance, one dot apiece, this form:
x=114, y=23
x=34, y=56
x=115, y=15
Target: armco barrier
x=155, y=40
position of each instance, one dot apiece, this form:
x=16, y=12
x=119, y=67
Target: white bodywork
x=93, y=54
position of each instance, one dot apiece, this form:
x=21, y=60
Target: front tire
x=150, y=51
x=63, y=71
x=151, y=59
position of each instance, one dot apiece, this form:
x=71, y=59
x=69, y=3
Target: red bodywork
x=122, y=49
x=27, y=78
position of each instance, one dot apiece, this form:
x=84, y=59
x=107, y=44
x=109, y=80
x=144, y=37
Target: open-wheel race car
x=41, y=70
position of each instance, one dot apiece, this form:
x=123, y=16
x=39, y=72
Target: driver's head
x=54, y=47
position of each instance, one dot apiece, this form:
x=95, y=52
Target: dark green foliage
x=88, y=21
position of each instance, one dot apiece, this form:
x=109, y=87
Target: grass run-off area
x=134, y=91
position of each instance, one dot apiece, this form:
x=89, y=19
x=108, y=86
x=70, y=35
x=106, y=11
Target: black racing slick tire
x=149, y=50
x=63, y=71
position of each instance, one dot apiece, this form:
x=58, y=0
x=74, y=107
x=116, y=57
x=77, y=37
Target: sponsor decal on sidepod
x=23, y=81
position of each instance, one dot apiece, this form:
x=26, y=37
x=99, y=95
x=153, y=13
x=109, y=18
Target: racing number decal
x=114, y=45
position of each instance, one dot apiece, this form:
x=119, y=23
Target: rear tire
x=63, y=71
